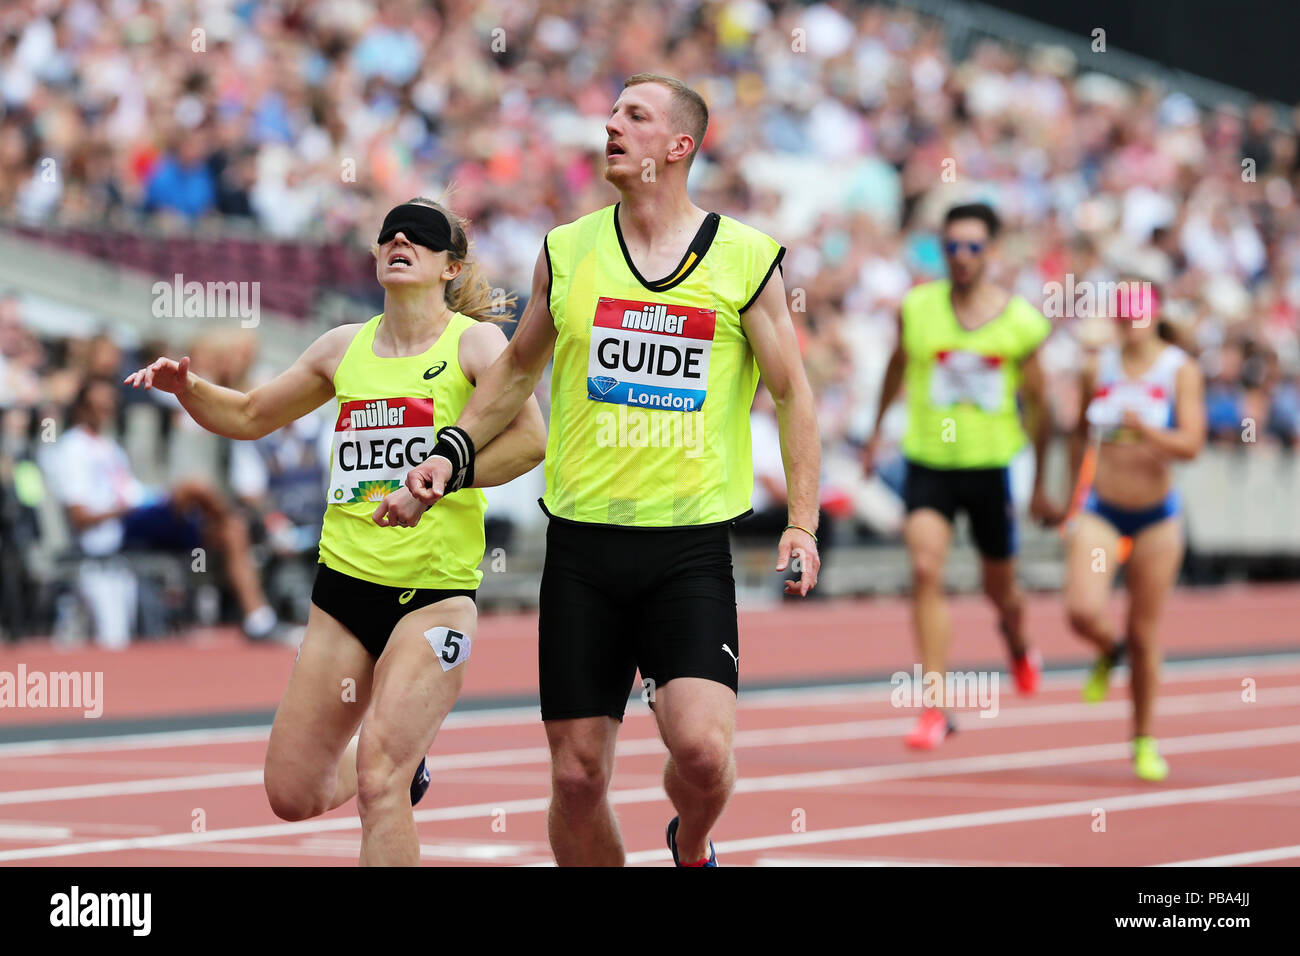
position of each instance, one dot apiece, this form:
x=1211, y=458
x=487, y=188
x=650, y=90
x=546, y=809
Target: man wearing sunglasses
x=966, y=349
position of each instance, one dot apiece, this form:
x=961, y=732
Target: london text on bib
x=966, y=377
x=376, y=442
x=649, y=354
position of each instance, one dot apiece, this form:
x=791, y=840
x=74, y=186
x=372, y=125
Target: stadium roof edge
x=965, y=22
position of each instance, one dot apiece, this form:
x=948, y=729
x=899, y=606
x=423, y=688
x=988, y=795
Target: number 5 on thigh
x=451, y=646
x=412, y=695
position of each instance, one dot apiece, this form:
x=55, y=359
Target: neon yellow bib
x=961, y=385
x=653, y=381
x=389, y=410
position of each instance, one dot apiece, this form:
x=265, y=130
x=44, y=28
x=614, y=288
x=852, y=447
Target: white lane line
x=1028, y=714
x=808, y=860
x=811, y=860
x=453, y=849
x=1030, y=759
x=32, y=831
x=1197, y=743
x=149, y=741
x=82, y=829
x=820, y=696
x=463, y=852
x=335, y=825
x=1171, y=672
x=1243, y=859
x=846, y=861
x=265, y=849
x=117, y=766
x=499, y=717
x=984, y=818
x=119, y=788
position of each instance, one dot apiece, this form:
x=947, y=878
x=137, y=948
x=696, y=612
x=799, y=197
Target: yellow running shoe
x=1147, y=762
x=1097, y=685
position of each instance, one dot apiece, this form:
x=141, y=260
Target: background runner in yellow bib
x=966, y=352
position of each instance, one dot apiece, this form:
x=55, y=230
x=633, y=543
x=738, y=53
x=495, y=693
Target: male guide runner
x=966, y=348
x=393, y=612
x=670, y=311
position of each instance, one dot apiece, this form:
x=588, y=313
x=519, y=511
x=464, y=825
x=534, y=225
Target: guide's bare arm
x=771, y=335
x=502, y=390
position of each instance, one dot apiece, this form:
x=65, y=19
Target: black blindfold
x=422, y=225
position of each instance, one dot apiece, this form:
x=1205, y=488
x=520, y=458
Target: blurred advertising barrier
x=1241, y=508
x=1243, y=501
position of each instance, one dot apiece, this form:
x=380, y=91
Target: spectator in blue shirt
x=182, y=181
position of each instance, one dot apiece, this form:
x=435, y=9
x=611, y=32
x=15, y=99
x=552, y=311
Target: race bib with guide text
x=650, y=355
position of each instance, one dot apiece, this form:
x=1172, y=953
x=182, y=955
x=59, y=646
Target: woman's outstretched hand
x=165, y=374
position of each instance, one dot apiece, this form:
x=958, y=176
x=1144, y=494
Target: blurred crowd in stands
x=845, y=130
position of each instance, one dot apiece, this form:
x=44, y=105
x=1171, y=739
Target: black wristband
x=455, y=445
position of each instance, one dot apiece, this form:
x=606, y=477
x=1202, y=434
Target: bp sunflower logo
x=338, y=494
x=373, y=490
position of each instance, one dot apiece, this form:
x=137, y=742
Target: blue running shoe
x=420, y=783
x=672, y=845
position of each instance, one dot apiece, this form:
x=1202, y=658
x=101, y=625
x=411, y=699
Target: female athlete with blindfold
x=393, y=610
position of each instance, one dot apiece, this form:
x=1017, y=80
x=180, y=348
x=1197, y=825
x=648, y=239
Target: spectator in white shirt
x=111, y=511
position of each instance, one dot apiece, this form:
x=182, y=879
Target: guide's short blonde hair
x=688, y=112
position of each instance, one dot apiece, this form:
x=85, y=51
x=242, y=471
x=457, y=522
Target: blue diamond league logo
x=604, y=383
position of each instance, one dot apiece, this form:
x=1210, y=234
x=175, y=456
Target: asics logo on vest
x=435, y=371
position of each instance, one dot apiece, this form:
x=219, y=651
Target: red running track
x=216, y=672
x=824, y=778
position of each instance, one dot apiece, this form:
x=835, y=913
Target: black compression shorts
x=617, y=599
x=371, y=611
x=983, y=493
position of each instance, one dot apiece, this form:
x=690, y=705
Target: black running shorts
x=617, y=599
x=983, y=493
x=371, y=611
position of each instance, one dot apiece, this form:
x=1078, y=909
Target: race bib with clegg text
x=376, y=442
x=967, y=378
x=650, y=355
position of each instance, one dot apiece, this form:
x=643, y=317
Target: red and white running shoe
x=1028, y=671
x=930, y=730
